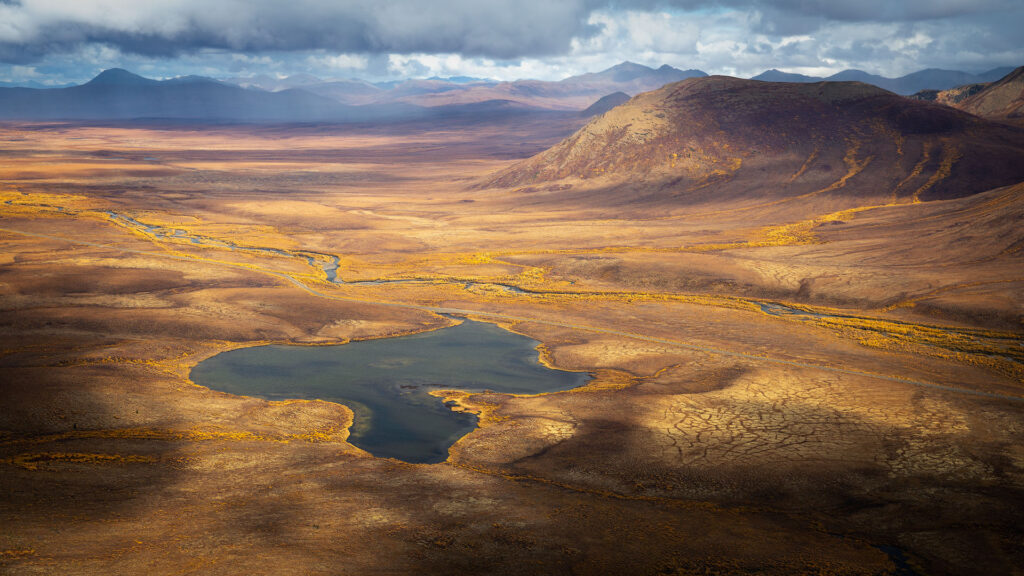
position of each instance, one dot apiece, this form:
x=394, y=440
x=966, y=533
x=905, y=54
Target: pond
x=386, y=382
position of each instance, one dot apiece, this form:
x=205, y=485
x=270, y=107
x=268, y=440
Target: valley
x=804, y=339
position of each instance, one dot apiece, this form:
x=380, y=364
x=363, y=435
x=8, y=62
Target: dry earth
x=880, y=434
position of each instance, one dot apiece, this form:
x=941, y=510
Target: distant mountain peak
x=628, y=71
x=852, y=74
x=776, y=75
x=119, y=76
x=627, y=65
x=191, y=79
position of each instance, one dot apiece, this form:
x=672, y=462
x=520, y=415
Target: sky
x=70, y=41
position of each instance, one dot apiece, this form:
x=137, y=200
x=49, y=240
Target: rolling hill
x=575, y=92
x=928, y=79
x=605, y=104
x=950, y=97
x=722, y=139
x=774, y=75
x=1000, y=100
x=1003, y=99
x=572, y=93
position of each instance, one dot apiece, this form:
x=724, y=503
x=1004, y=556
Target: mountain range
x=573, y=93
x=577, y=92
x=117, y=94
x=928, y=79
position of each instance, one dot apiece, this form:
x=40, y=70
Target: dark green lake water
x=385, y=382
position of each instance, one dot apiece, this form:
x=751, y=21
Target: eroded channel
x=386, y=382
x=328, y=263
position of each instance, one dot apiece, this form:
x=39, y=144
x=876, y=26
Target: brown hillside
x=752, y=143
x=951, y=97
x=1002, y=100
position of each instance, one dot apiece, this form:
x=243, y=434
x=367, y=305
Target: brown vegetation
x=1002, y=100
x=881, y=410
x=764, y=146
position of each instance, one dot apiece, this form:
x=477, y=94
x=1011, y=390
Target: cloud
x=495, y=28
x=634, y=30
x=338, y=61
x=505, y=39
x=884, y=10
x=500, y=29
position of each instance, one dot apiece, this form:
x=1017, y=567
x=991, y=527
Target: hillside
x=119, y=95
x=932, y=79
x=575, y=92
x=630, y=78
x=774, y=75
x=726, y=139
x=605, y=103
x=572, y=93
x=950, y=97
x=1001, y=100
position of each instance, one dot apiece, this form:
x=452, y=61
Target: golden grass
x=33, y=460
x=807, y=164
x=950, y=154
x=198, y=434
x=612, y=440
x=988, y=350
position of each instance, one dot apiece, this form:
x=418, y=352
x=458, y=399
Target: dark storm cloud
x=496, y=28
x=69, y=40
x=883, y=10
x=30, y=29
x=840, y=10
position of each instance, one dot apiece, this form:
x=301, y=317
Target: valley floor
x=818, y=393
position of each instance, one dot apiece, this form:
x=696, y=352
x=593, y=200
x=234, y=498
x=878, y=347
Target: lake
x=386, y=382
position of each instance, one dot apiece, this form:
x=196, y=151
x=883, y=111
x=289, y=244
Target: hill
x=1003, y=99
x=774, y=75
x=928, y=79
x=580, y=91
x=950, y=97
x=999, y=100
x=572, y=93
x=630, y=77
x=605, y=103
x=118, y=95
x=837, y=144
